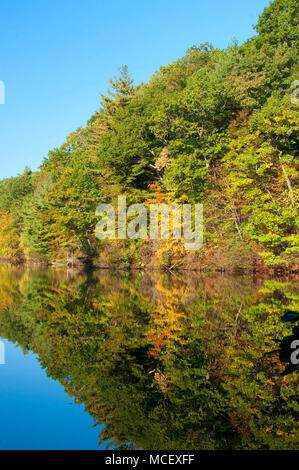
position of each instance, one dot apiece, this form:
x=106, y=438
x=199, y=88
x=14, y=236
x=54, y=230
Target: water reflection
x=180, y=362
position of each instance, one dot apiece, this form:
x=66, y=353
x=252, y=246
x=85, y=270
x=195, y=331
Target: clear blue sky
x=57, y=57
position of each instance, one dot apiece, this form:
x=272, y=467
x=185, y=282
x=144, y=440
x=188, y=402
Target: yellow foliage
x=9, y=237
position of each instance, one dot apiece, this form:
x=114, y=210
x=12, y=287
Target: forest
x=216, y=127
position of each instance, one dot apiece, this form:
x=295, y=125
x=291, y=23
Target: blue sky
x=57, y=57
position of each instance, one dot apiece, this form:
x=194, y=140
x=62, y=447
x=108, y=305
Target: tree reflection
x=183, y=362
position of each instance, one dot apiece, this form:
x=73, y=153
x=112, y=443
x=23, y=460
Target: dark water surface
x=147, y=361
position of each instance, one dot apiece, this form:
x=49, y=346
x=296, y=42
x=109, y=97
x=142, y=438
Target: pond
x=135, y=360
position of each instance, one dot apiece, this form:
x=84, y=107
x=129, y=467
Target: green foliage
x=36, y=236
x=279, y=22
x=216, y=126
x=262, y=167
x=14, y=190
x=72, y=198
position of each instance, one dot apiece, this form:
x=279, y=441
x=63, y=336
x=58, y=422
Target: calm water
x=147, y=361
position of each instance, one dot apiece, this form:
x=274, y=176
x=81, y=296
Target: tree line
x=217, y=127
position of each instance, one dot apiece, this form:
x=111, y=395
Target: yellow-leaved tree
x=9, y=236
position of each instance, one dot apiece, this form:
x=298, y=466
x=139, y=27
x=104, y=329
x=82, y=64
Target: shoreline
x=278, y=271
